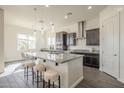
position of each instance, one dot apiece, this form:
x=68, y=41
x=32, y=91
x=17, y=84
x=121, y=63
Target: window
x=25, y=42
x=51, y=41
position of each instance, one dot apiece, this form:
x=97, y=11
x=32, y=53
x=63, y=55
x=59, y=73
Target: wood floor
x=93, y=78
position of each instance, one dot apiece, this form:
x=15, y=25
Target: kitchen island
x=68, y=65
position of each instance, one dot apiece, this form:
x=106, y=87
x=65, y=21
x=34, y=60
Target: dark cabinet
x=92, y=37
x=61, y=41
x=91, y=60
x=64, y=39
x=71, y=39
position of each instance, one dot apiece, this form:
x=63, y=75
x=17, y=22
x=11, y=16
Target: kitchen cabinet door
x=61, y=41
x=71, y=39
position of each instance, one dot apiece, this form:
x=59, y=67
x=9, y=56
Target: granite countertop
x=85, y=51
x=51, y=50
x=54, y=57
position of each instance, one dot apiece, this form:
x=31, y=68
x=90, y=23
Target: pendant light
x=42, y=26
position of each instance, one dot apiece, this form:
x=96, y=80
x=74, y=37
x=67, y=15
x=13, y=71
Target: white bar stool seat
x=39, y=67
x=29, y=64
x=51, y=75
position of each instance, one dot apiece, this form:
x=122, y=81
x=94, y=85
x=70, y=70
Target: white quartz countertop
x=54, y=57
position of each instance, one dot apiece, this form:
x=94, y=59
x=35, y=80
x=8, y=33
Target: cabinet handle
x=115, y=54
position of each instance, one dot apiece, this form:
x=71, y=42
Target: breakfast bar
x=68, y=65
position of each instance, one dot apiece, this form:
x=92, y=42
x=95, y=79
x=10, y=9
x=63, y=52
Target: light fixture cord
x=35, y=18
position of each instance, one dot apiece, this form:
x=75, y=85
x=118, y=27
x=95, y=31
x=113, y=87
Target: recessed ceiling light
x=89, y=7
x=46, y=5
x=66, y=17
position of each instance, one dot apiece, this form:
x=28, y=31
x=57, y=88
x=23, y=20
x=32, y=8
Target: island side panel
x=75, y=72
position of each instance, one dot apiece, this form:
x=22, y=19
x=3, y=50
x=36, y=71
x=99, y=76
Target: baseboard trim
x=1, y=71
x=100, y=69
x=121, y=80
x=19, y=60
x=77, y=82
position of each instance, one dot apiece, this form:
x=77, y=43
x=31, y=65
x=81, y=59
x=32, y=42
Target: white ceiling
x=23, y=15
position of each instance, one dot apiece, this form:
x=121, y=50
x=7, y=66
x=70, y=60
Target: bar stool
x=27, y=66
x=38, y=70
x=51, y=76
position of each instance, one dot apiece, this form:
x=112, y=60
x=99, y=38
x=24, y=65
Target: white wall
x=1, y=40
x=10, y=44
x=81, y=43
x=122, y=45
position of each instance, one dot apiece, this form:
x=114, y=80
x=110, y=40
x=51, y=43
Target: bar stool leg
x=48, y=83
x=32, y=76
x=53, y=84
x=27, y=73
x=37, y=79
x=59, y=81
x=24, y=71
x=35, y=76
x=40, y=76
x=43, y=83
